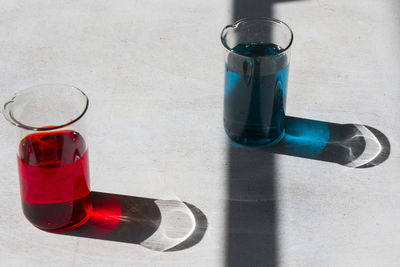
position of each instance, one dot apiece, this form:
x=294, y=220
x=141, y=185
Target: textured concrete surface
x=154, y=73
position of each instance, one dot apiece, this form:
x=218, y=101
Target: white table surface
x=154, y=73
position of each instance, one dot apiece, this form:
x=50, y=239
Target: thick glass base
x=255, y=138
x=59, y=217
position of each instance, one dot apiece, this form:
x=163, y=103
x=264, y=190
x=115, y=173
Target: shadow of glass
x=160, y=225
x=351, y=145
x=251, y=237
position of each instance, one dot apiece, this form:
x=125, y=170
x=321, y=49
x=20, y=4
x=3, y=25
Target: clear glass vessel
x=52, y=155
x=256, y=78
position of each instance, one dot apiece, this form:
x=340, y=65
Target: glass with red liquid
x=52, y=155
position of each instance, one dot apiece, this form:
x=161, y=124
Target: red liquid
x=54, y=179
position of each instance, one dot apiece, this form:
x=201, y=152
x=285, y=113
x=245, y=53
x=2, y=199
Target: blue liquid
x=255, y=94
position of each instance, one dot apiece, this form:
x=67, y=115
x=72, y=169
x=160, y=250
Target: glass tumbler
x=52, y=155
x=256, y=78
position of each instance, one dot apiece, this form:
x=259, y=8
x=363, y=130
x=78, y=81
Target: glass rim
x=10, y=118
x=265, y=19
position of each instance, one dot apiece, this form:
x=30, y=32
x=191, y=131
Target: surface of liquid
x=54, y=179
x=255, y=94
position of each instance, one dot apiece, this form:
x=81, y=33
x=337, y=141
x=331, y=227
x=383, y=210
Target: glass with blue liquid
x=256, y=78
